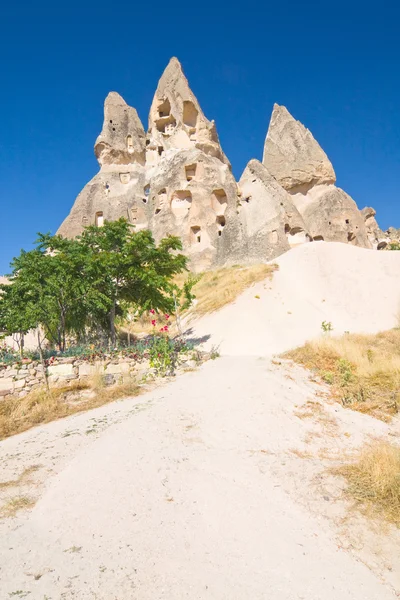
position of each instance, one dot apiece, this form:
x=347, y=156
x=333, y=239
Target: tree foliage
x=68, y=287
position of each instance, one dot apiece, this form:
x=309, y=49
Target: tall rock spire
x=122, y=139
x=293, y=156
x=176, y=119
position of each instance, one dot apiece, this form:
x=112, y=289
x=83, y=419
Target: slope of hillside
x=354, y=289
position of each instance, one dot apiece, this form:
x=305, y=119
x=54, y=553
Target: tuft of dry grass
x=11, y=507
x=373, y=480
x=21, y=479
x=20, y=414
x=363, y=370
x=214, y=290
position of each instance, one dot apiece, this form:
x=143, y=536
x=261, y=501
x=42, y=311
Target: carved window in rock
x=124, y=177
x=169, y=128
x=273, y=237
x=161, y=200
x=180, y=203
x=195, y=235
x=164, y=108
x=190, y=172
x=190, y=114
x=219, y=201
x=99, y=219
x=129, y=143
x=221, y=224
x=296, y=235
x=146, y=190
x=318, y=238
x=134, y=214
x=85, y=221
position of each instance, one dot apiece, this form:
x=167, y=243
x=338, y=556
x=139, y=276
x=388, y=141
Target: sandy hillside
x=215, y=486
x=357, y=290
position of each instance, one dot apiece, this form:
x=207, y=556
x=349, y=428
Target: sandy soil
x=217, y=485
x=357, y=290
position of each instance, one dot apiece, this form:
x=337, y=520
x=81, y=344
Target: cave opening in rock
x=99, y=219
x=181, y=202
x=221, y=224
x=190, y=172
x=164, y=108
x=195, y=234
x=129, y=143
x=190, y=114
x=219, y=201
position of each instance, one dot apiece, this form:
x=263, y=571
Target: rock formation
x=299, y=164
x=177, y=180
x=378, y=238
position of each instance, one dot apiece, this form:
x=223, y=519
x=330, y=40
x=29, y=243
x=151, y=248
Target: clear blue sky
x=335, y=65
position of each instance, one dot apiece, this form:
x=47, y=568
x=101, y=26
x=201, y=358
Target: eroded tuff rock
x=194, y=195
x=122, y=139
x=176, y=120
x=270, y=224
x=332, y=215
x=378, y=238
x=293, y=156
x=299, y=164
x=177, y=180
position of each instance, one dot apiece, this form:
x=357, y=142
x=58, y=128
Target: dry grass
x=214, y=290
x=20, y=414
x=21, y=479
x=374, y=480
x=11, y=507
x=363, y=370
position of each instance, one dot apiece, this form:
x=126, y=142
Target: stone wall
x=19, y=379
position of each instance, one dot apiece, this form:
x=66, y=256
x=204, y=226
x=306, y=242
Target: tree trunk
x=44, y=368
x=113, y=334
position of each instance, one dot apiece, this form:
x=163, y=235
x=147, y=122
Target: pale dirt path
x=198, y=495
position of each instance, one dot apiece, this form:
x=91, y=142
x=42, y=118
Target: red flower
x=153, y=322
x=152, y=311
x=167, y=317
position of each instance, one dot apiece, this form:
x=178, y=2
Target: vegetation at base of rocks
x=362, y=370
x=393, y=246
x=77, y=288
x=206, y=292
x=216, y=289
x=139, y=350
x=40, y=406
x=373, y=480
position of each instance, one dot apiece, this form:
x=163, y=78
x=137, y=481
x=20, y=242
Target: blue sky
x=335, y=66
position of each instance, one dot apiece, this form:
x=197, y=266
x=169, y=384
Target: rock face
x=270, y=224
x=378, y=238
x=293, y=156
x=117, y=189
x=177, y=180
x=299, y=164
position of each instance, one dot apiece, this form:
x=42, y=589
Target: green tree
x=67, y=286
x=48, y=289
x=128, y=268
